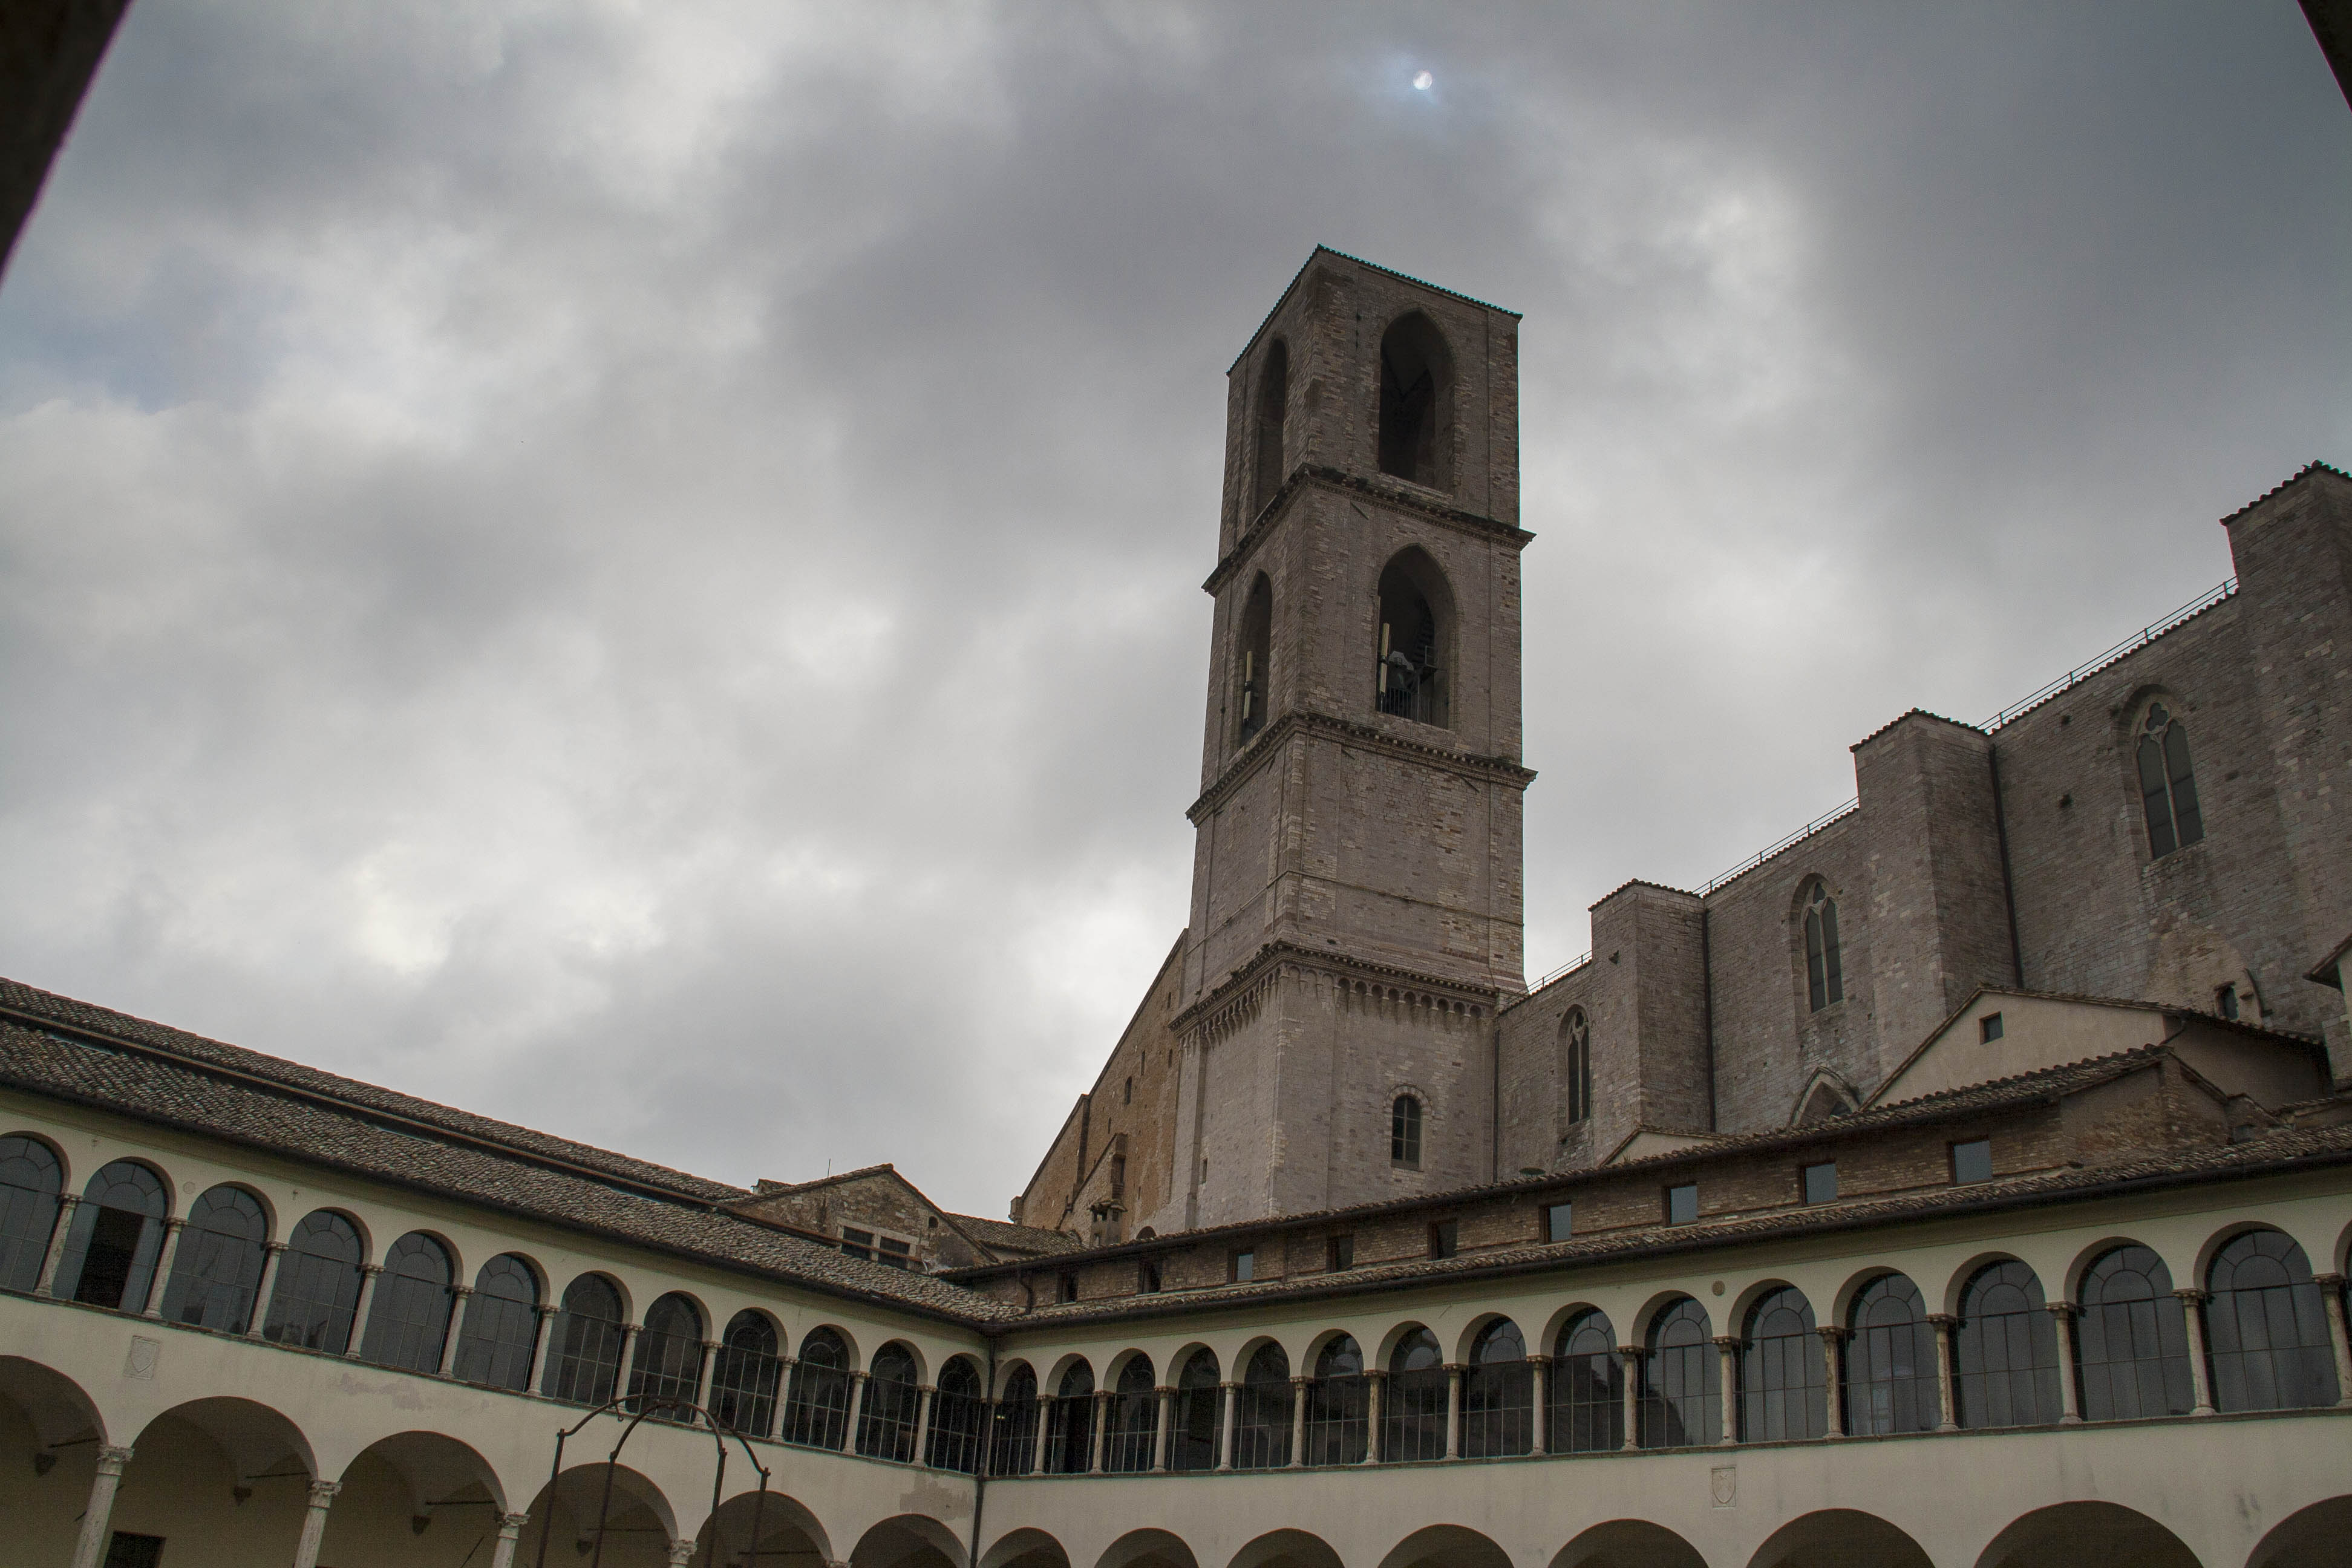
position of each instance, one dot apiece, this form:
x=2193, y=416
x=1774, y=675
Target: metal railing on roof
x=1807, y=831
x=1577, y=963
x=2132, y=643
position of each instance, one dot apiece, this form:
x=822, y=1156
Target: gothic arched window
x=1588, y=1387
x=1409, y=675
x=1416, y=435
x=1890, y=1369
x=584, y=1358
x=2268, y=1322
x=1339, y=1405
x=30, y=1180
x=1273, y=406
x=816, y=1414
x=1256, y=647
x=1194, y=1425
x=1404, y=1133
x=1412, y=1424
x=1824, y=964
x=1681, y=1388
x=318, y=1285
x=1013, y=1450
x=669, y=1355
x=502, y=1328
x=219, y=1264
x=2007, y=1348
x=1498, y=1394
x=1576, y=1034
x=2133, y=1339
x=118, y=1230
x=1783, y=1385
x=1134, y=1419
x=746, y=1377
x=2167, y=785
x=886, y=1421
x=410, y=1318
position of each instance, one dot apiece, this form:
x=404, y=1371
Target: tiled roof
x=189, y=1095
x=2301, y=474
x=1002, y=1235
x=39, y=1008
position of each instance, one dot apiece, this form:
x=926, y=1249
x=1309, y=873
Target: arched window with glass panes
x=1498, y=1394
x=408, y=1321
x=1013, y=1439
x=668, y=1367
x=116, y=1234
x=2132, y=1341
x=957, y=1412
x=501, y=1326
x=1069, y=1444
x=1413, y=1417
x=318, y=1285
x=218, y=1268
x=816, y=1412
x=1576, y=1045
x=30, y=1180
x=1339, y=1405
x=1783, y=1380
x=2267, y=1322
x=2005, y=1349
x=1404, y=1131
x=1890, y=1361
x=1134, y=1419
x=1197, y=1422
x=2168, y=783
x=583, y=1360
x=1824, y=957
x=1682, y=1389
x=885, y=1420
x=1262, y=1412
x=1588, y=1387
x=747, y=1375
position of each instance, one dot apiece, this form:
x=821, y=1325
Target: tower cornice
x=1422, y=503
x=1261, y=750
x=1412, y=986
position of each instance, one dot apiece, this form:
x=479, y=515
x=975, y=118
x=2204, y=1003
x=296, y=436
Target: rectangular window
x=857, y=1243
x=1343, y=1253
x=1682, y=1204
x=1988, y=1029
x=1147, y=1276
x=1821, y=1182
x=129, y=1551
x=2225, y=1001
x=1069, y=1286
x=1243, y=1265
x=1560, y=1222
x=1444, y=1237
x=895, y=1253
x=1972, y=1162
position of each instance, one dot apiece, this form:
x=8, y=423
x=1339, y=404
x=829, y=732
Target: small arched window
x=30, y=1180
x=747, y=1375
x=117, y=1232
x=1412, y=1424
x=1196, y=1423
x=1890, y=1370
x=2007, y=1349
x=502, y=1328
x=1588, y=1387
x=1409, y=675
x=1682, y=1389
x=817, y=1413
x=1576, y=1036
x=1824, y=964
x=2133, y=1339
x=669, y=1366
x=956, y=1416
x=1273, y=408
x=1783, y=1381
x=1404, y=1133
x=409, y=1320
x=1256, y=646
x=2268, y=1322
x=1339, y=1405
x=1069, y=1447
x=318, y=1285
x=2167, y=785
x=1416, y=436
x=885, y=1420
x=584, y=1360
x=1498, y=1394
x=1012, y=1448
x=1134, y=1419
x=218, y=1268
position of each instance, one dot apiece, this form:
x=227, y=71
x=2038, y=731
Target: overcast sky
x=636, y=568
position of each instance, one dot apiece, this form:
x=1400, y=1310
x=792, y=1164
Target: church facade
x=1966, y=1183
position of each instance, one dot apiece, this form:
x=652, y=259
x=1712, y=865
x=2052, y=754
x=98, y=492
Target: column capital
x=1300, y=1380
x=1229, y=1386
x=545, y=1310
x=512, y=1523
x=1540, y=1359
x=919, y=1388
x=1456, y=1368
x=1728, y=1342
x=1944, y=1321
x=1834, y=1335
x=275, y=1246
x=860, y=1376
x=461, y=1291
x=322, y=1493
x=2190, y=1296
x=177, y=1222
x=111, y=1459
x=371, y=1269
x=1377, y=1373
x=2066, y=1309
x=2328, y=1281
x=1631, y=1352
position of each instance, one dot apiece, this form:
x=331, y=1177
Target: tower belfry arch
x=1356, y=910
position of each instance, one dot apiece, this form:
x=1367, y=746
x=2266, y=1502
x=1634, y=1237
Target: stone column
x=314, y=1523
x=455, y=1330
x=272, y=1254
x=1098, y=1412
x=156, y=1282
x=547, y=1316
x=510, y=1532
x=856, y=1411
x=1376, y=1384
x=624, y=1374
x=1727, y=1350
x=1834, y=1412
x=1540, y=1382
x=1945, y=1325
x=89, y=1547
x=702, y=1371
x=924, y=1395
x=681, y=1554
x=2200, y=1377
x=1225, y=1448
x=2339, y=1336
x=1161, y=1422
x=1632, y=1356
x=1453, y=1410
x=2062, y=1317
x=369, y=1272
x=1044, y=1433
x=1298, y=1386
x=48, y=1282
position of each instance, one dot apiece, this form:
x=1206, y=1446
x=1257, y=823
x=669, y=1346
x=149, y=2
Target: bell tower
x=1356, y=874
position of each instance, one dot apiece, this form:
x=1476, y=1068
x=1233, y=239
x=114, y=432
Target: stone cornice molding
x=1427, y=504
x=1215, y=1015
x=1261, y=750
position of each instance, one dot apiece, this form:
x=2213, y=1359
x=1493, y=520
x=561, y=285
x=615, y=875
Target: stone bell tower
x=1356, y=880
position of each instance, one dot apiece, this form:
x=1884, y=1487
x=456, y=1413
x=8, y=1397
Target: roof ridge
x=2296, y=478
